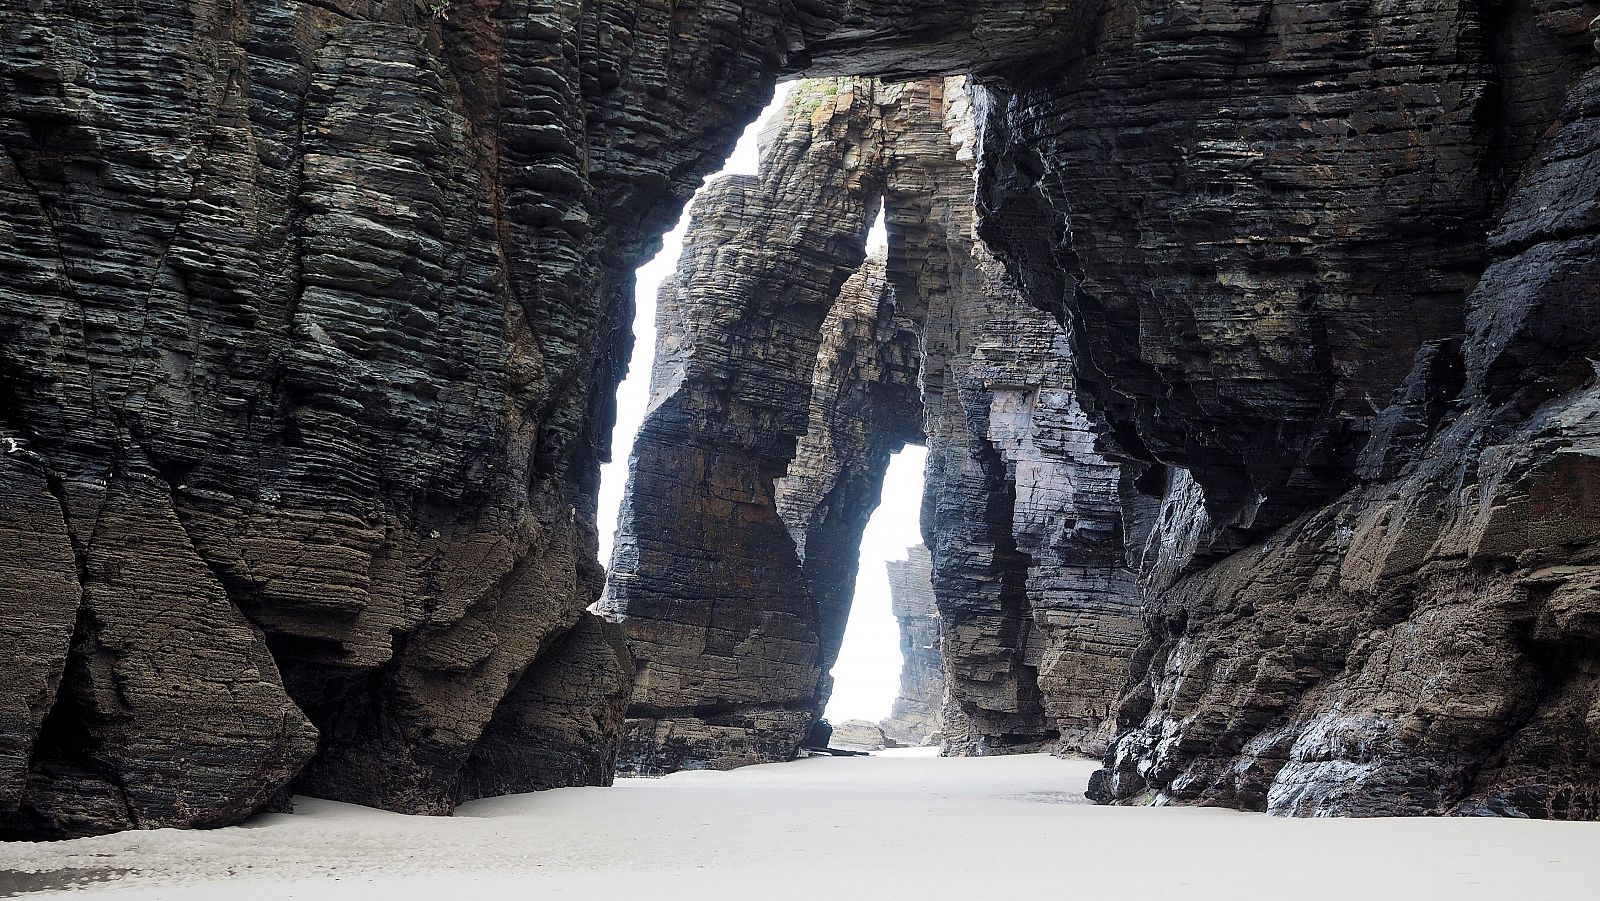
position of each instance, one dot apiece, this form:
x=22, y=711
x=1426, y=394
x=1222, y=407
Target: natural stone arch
x=337, y=384
x=931, y=339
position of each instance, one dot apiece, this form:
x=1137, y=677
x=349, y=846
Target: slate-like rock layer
x=916, y=719
x=733, y=568
x=309, y=319
x=311, y=315
x=1426, y=643
x=310, y=312
x=737, y=623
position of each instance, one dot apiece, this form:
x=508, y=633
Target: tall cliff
x=733, y=569
x=1425, y=643
x=775, y=408
x=1298, y=251
x=311, y=315
x=1312, y=266
x=311, y=312
x=917, y=717
x=301, y=442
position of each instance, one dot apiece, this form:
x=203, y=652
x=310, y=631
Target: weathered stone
x=1023, y=516
x=916, y=720
x=732, y=585
x=309, y=319
x=1425, y=643
x=857, y=735
x=310, y=314
x=985, y=355
x=560, y=726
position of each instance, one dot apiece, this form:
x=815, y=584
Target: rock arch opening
x=872, y=669
x=309, y=343
x=791, y=364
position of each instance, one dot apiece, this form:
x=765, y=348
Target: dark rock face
x=1425, y=644
x=1314, y=424
x=1022, y=516
x=309, y=319
x=733, y=569
x=716, y=686
x=916, y=720
x=1235, y=178
x=561, y=724
x=1332, y=381
x=310, y=314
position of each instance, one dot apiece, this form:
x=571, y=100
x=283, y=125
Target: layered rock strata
x=314, y=432
x=1258, y=226
x=310, y=312
x=703, y=581
x=858, y=735
x=1425, y=643
x=916, y=719
x=733, y=569
x=1022, y=515
x=1326, y=373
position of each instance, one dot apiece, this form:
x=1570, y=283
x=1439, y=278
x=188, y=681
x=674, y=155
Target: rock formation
x=858, y=735
x=1023, y=517
x=309, y=319
x=916, y=720
x=1344, y=612
x=1278, y=329
x=302, y=439
x=733, y=569
x=1425, y=642
x=1275, y=405
x=736, y=623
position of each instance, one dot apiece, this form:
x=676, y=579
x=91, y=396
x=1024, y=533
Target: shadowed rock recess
x=1251, y=342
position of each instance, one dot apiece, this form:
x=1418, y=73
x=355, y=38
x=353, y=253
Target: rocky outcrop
x=309, y=319
x=916, y=719
x=314, y=436
x=1341, y=617
x=1257, y=226
x=863, y=410
x=1022, y=516
x=310, y=314
x=561, y=724
x=733, y=569
x=1436, y=652
x=995, y=398
x=1227, y=269
x=858, y=735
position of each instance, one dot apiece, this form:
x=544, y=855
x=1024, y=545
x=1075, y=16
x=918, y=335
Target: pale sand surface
x=895, y=826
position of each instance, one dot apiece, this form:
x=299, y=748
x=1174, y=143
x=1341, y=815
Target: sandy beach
x=897, y=825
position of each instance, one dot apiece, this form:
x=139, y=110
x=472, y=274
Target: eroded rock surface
x=858, y=735
x=1291, y=250
x=309, y=319
x=561, y=725
x=916, y=720
x=700, y=563
x=731, y=579
x=1424, y=644
x=310, y=314
x=1327, y=378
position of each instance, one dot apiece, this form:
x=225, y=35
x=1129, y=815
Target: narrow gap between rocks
x=866, y=676
x=633, y=395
